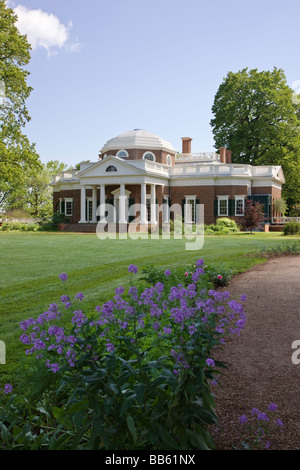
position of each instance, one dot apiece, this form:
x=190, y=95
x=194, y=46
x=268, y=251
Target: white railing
x=212, y=169
x=64, y=175
x=212, y=156
x=284, y=220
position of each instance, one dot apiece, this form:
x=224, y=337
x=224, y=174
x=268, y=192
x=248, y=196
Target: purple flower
x=54, y=367
x=132, y=269
x=167, y=330
x=210, y=362
x=272, y=407
x=7, y=388
x=168, y=273
x=119, y=290
x=262, y=416
x=79, y=318
x=243, y=419
x=243, y=297
x=63, y=276
x=279, y=422
x=79, y=296
x=200, y=262
x=110, y=347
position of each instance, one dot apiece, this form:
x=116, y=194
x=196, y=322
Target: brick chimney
x=186, y=144
x=222, y=154
x=228, y=156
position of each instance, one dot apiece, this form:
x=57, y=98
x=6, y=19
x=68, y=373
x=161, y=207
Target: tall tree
x=257, y=118
x=34, y=195
x=17, y=155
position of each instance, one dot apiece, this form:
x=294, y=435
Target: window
x=223, y=206
x=68, y=207
x=149, y=156
x=122, y=154
x=239, y=205
x=169, y=160
x=89, y=214
x=190, y=210
x=111, y=168
x=166, y=211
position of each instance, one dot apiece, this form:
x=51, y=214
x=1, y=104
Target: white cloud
x=44, y=30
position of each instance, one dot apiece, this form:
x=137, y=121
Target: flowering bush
x=259, y=426
x=137, y=372
x=212, y=276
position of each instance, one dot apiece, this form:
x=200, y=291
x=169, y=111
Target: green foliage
x=284, y=248
x=291, y=228
x=280, y=206
x=255, y=117
x=223, y=226
x=216, y=275
x=120, y=381
x=19, y=226
x=17, y=155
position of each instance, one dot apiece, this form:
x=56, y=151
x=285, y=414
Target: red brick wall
x=206, y=195
x=137, y=154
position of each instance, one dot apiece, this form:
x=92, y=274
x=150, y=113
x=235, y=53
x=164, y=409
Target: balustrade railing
x=284, y=220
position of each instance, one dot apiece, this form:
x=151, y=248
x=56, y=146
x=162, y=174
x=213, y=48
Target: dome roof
x=137, y=139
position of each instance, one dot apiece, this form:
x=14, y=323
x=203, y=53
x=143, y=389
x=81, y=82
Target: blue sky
x=101, y=67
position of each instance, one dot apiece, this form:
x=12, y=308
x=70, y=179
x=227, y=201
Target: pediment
x=106, y=167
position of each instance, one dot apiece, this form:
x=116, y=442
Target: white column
x=82, y=205
x=143, y=211
x=153, y=204
x=122, y=209
x=94, y=205
x=102, y=203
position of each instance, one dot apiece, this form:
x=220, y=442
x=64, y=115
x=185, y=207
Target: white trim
x=238, y=198
x=166, y=209
x=187, y=218
x=223, y=198
x=169, y=159
x=149, y=153
x=66, y=200
x=122, y=156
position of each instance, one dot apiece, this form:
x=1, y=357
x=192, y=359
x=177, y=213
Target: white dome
x=137, y=139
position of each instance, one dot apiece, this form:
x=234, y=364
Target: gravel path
x=259, y=361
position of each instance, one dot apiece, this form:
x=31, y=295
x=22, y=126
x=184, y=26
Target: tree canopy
x=17, y=155
x=258, y=119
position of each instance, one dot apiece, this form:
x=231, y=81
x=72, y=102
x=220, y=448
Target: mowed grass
x=31, y=263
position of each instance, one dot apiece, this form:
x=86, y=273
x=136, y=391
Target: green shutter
x=231, y=207
x=216, y=207
x=197, y=211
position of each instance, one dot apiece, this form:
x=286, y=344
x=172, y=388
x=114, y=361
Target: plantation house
x=138, y=169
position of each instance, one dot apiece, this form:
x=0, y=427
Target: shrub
x=134, y=374
x=291, y=228
x=223, y=226
x=19, y=226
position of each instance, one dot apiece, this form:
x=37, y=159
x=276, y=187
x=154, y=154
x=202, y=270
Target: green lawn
x=32, y=261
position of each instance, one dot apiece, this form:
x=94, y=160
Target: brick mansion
x=140, y=169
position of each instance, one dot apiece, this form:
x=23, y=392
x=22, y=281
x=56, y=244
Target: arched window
x=149, y=156
x=122, y=154
x=111, y=168
x=169, y=160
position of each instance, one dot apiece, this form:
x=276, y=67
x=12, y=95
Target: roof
x=137, y=139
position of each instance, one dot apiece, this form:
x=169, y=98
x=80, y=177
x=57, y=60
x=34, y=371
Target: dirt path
x=260, y=368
